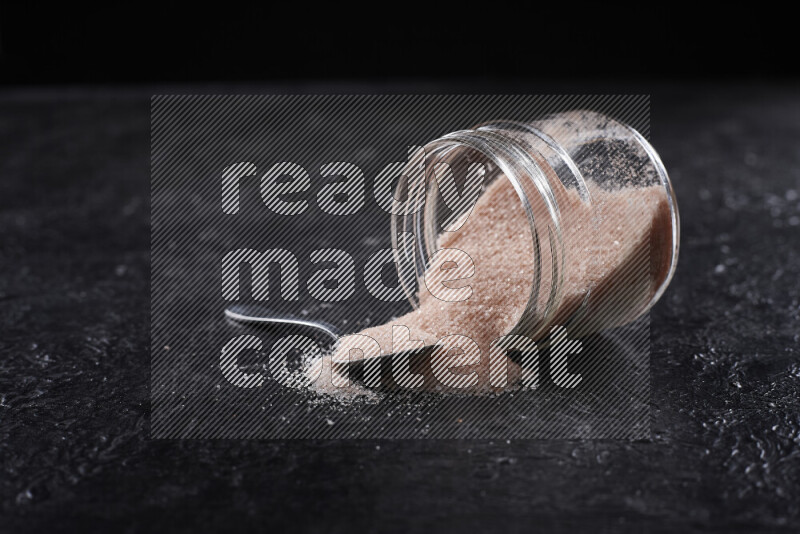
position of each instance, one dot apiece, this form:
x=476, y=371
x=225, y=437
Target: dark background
x=224, y=42
x=74, y=271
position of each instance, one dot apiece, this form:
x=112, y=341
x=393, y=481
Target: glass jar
x=602, y=214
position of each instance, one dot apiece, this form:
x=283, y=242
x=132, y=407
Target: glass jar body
x=603, y=220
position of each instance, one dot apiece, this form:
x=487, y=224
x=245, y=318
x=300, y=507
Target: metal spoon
x=419, y=359
x=246, y=314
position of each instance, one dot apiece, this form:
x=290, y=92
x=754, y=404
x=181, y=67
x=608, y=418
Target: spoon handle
x=260, y=315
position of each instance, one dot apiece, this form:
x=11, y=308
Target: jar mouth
x=503, y=159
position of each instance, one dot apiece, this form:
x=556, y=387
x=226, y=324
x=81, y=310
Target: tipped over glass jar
x=574, y=223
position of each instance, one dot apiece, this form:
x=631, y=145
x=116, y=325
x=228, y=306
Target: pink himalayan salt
x=624, y=256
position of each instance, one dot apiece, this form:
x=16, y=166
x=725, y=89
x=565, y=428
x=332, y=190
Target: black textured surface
x=74, y=357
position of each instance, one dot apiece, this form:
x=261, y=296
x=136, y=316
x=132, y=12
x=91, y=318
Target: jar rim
x=527, y=178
